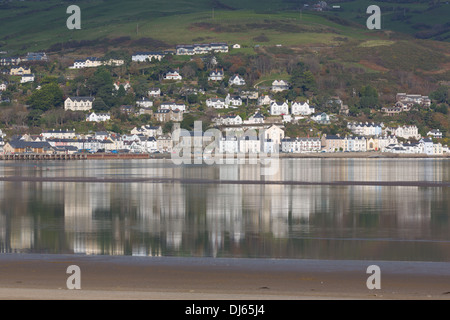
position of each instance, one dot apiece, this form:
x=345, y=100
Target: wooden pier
x=42, y=156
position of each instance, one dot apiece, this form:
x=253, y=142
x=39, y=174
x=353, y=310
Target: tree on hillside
x=368, y=97
x=441, y=95
x=101, y=85
x=99, y=105
x=48, y=97
x=302, y=80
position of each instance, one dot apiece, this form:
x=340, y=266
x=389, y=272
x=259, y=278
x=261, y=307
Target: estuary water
x=333, y=209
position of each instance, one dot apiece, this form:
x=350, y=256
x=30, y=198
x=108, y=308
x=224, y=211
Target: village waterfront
x=329, y=209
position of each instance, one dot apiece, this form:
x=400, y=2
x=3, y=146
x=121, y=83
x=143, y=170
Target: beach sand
x=43, y=277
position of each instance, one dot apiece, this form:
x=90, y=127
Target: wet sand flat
x=43, y=277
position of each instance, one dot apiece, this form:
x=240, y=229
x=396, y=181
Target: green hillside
x=37, y=25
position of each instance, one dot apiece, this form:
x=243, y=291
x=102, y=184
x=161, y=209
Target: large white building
x=89, y=62
x=217, y=103
x=365, y=129
x=216, y=75
x=274, y=133
x=279, y=85
x=304, y=109
x=204, y=48
x=412, y=99
x=147, y=56
x=27, y=78
x=405, y=132
x=173, y=106
x=279, y=108
x=301, y=145
x=236, y=80
x=173, y=75
x=78, y=103
x=98, y=117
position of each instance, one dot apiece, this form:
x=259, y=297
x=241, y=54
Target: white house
x=233, y=120
x=249, y=144
x=78, y=64
x=27, y=78
x=279, y=108
x=301, y=145
x=321, y=118
x=217, y=103
x=216, y=75
x=144, y=102
x=257, y=118
x=304, y=109
x=149, y=144
x=89, y=62
x=234, y=100
x=98, y=117
x=274, y=133
x=236, y=46
x=149, y=131
x=203, y=48
x=428, y=147
x=147, y=56
x=58, y=134
x=78, y=103
x=412, y=99
x=435, y=133
x=236, y=80
x=279, y=85
x=173, y=75
x=269, y=146
x=173, y=106
x=365, y=129
x=3, y=86
x=354, y=144
x=265, y=100
x=154, y=92
x=406, y=132
x=229, y=145
x=113, y=62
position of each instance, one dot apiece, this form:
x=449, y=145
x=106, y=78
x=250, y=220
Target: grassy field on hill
x=37, y=25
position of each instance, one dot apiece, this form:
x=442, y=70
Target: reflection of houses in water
x=81, y=202
x=22, y=233
x=291, y=208
x=413, y=210
x=161, y=210
x=224, y=204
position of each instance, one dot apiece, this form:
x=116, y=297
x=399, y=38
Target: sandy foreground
x=44, y=277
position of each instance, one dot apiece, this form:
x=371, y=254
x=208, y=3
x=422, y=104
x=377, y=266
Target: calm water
x=230, y=220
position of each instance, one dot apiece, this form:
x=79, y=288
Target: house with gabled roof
x=217, y=103
x=27, y=78
x=304, y=109
x=216, y=75
x=173, y=75
x=78, y=103
x=279, y=85
x=279, y=108
x=236, y=80
x=147, y=56
x=19, y=71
